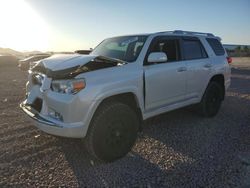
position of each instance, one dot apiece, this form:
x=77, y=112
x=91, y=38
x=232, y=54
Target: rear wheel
x=112, y=132
x=211, y=100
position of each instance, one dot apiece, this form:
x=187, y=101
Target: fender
x=99, y=98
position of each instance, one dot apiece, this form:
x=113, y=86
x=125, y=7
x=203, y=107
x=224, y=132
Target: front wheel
x=211, y=100
x=112, y=132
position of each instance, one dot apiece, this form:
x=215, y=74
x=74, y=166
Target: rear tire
x=211, y=100
x=112, y=132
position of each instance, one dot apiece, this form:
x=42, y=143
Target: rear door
x=165, y=83
x=198, y=64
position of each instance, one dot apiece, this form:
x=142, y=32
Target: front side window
x=125, y=48
x=170, y=47
x=193, y=49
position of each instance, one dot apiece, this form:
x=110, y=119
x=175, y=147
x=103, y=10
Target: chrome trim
x=35, y=115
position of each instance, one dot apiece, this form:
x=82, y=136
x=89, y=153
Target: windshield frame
x=145, y=37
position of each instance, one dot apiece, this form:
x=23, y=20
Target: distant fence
x=233, y=53
x=238, y=50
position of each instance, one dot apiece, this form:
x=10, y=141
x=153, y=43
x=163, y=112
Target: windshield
x=125, y=48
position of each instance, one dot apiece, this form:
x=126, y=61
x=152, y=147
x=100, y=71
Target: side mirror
x=157, y=57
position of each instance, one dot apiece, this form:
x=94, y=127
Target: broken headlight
x=68, y=86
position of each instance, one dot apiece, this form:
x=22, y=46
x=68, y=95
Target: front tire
x=211, y=100
x=112, y=132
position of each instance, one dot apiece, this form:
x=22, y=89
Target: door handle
x=182, y=69
x=208, y=65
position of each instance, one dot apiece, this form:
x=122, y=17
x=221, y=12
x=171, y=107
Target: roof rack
x=192, y=33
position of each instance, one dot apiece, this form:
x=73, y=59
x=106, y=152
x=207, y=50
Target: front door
x=165, y=83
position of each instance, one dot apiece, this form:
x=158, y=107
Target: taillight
x=229, y=60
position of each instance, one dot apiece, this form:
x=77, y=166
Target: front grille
x=37, y=104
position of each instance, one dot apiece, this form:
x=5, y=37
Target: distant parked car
x=83, y=52
x=25, y=64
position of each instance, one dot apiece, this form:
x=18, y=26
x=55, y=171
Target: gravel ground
x=176, y=149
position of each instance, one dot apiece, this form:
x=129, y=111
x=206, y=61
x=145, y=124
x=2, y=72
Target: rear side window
x=216, y=46
x=193, y=49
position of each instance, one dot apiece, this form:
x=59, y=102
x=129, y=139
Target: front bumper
x=72, y=130
x=56, y=113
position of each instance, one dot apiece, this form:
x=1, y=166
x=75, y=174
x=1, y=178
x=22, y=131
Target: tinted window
x=168, y=46
x=193, y=49
x=216, y=46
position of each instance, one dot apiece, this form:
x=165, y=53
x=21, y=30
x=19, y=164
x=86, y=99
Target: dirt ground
x=176, y=149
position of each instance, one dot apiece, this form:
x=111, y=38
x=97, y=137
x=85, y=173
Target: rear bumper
x=72, y=130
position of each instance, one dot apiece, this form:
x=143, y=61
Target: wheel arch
x=128, y=98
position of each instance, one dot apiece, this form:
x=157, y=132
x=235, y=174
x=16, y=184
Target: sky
x=69, y=25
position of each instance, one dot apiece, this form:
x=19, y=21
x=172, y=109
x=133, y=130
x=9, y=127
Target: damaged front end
x=50, y=93
x=44, y=76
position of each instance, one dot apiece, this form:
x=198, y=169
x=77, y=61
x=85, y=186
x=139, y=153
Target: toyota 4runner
x=103, y=97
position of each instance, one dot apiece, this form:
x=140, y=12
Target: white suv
x=104, y=96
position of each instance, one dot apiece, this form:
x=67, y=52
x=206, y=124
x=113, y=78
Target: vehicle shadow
x=132, y=170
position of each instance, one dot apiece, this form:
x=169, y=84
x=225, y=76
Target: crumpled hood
x=65, y=61
x=69, y=66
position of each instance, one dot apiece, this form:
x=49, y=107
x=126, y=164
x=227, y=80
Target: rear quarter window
x=216, y=46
